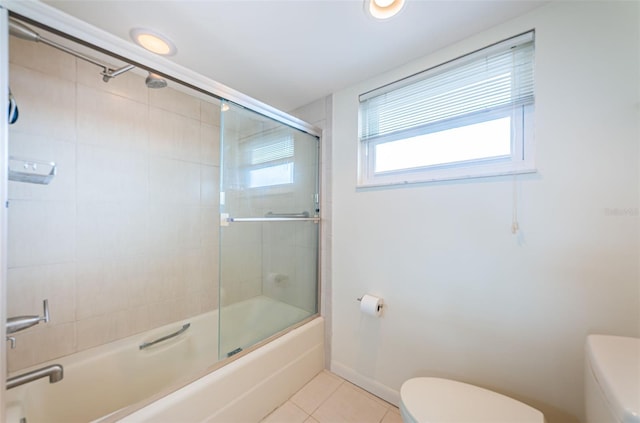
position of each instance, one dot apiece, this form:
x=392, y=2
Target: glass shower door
x=269, y=228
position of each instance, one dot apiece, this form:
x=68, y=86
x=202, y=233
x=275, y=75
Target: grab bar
x=54, y=372
x=164, y=338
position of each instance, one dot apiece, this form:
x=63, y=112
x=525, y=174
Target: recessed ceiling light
x=153, y=41
x=383, y=9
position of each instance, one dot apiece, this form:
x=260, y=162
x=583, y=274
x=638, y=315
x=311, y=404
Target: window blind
x=495, y=77
x=274, y=150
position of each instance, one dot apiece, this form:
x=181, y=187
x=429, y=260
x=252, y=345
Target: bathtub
x=121, y=382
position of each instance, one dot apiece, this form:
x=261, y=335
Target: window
x=271, y=175
x=269, y=161
x=470, y=117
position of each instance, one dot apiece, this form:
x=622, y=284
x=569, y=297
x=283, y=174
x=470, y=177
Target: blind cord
x=514, y=212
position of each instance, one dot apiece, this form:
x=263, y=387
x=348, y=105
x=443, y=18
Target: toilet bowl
x=429, y=399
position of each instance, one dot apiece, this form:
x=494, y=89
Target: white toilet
x=612, y=392
x=612, y=379
x=429, y=399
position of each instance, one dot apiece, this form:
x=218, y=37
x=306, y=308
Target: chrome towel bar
x=302, y=215
x=273, y=219
x=166, y=337
x=225, y=219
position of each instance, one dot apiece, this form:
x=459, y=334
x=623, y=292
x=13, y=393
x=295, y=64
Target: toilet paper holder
x=379, y=305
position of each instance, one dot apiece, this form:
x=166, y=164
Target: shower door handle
x=225, y=220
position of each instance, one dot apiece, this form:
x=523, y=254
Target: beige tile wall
x=125, y=238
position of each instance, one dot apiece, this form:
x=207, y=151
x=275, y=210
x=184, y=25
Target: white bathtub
x=106, y=380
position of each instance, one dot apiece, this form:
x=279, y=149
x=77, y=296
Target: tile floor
x=327, y=398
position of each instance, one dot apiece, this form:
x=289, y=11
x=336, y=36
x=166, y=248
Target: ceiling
x=288, y=53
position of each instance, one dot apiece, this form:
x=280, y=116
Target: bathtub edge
x=281, y=377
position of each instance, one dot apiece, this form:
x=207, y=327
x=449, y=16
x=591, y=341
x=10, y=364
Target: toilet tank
x=612, y=379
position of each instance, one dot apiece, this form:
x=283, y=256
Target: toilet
x=612, y=379
x=430, y=400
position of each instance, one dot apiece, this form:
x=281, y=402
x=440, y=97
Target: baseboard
x=376, y=388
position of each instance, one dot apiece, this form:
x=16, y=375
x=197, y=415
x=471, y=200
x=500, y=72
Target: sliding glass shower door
x=269, y=228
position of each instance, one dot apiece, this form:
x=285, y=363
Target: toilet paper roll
x=371, y=305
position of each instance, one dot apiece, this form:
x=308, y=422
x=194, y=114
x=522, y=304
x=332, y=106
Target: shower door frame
x=53, y=20
x=4, y=154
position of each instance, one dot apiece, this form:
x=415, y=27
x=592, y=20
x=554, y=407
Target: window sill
x=396, y=180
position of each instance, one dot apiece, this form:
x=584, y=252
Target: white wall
x=465, y=298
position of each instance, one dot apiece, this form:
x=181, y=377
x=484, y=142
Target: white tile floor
x=327, y=398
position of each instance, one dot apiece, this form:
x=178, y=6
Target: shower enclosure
x=269, y=215
x=164, y=222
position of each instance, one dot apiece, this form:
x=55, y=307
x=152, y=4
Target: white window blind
x=494, y=78
x=274, y=150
